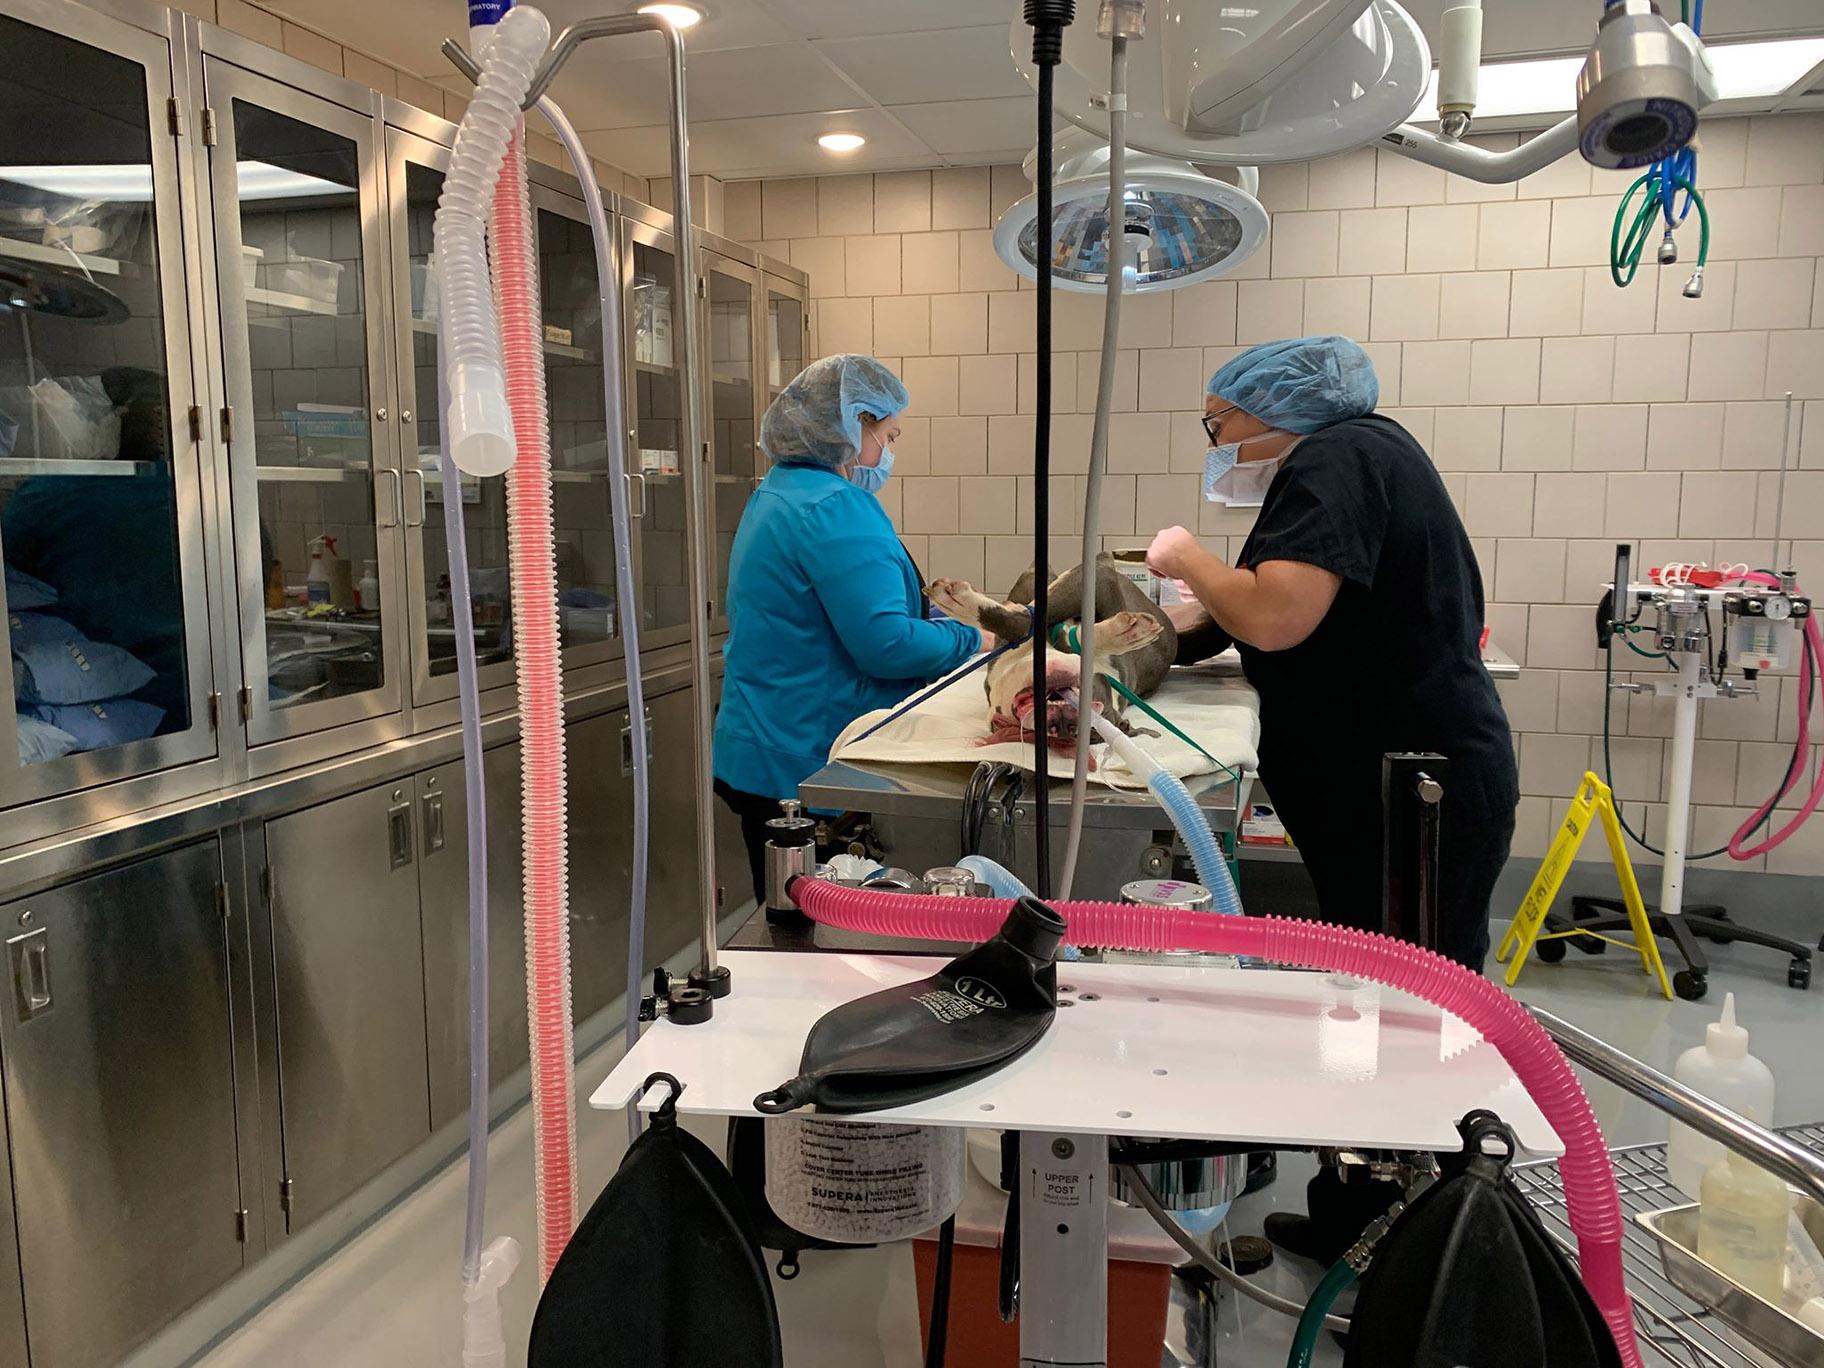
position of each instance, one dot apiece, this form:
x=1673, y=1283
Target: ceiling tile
x=405, y=33
x=741, y=83
x=918, y=68
x=848, y=18
x=784, y=144
x=962, y=127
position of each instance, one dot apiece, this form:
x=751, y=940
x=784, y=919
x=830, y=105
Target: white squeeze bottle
x=1741, y=1224
x=1723, y=1071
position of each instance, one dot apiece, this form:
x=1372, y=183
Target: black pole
x=1048, y=18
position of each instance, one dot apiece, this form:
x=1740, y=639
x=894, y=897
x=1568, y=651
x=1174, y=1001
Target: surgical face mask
x=872, y=478
x=1227, y=479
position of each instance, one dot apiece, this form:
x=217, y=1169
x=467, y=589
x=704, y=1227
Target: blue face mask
x=1218, y=461
x=872, y=478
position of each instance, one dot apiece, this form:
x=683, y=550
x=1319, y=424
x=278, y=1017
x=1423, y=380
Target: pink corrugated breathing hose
x=541, y=708
x=1589, y=1181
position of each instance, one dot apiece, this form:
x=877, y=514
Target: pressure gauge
x=1778, y=607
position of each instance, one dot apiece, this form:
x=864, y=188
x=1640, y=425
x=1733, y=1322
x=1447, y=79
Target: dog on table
x=1134, y=641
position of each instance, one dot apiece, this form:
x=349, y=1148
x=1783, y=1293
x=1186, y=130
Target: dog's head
x=1012, y=704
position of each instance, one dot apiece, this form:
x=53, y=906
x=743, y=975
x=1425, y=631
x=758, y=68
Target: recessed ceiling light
x=678, y=16
x=840, y=142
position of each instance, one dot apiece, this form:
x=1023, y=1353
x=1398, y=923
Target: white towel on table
x=1210, y=702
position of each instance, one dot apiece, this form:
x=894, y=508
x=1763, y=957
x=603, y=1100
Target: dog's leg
x=966, y=603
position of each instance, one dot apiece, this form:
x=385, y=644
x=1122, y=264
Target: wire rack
x=1671, y=1327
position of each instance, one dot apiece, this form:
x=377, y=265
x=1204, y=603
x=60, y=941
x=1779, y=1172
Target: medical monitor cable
x=1049, y=19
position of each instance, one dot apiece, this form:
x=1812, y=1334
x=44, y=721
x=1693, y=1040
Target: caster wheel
x=1689, y=986
x=1798, y=974
x=1719, y=937
x=1589, y=945
x=1551, y=951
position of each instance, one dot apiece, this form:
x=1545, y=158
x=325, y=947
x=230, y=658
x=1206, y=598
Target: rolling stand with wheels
x=1698, y=663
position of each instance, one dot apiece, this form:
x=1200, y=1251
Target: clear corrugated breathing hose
x=496, y=421
x=626, y=592
x=1098, y=444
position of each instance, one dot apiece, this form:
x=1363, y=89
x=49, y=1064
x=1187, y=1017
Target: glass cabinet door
x=728, y=331
x=784, y=330
x=100, y=513
x=415, y=170
x=654, y=438
x=318, y=495
x=570, y=295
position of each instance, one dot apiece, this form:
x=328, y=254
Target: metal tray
x=1787, y=1339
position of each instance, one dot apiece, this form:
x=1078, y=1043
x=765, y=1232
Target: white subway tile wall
x=1563, y=413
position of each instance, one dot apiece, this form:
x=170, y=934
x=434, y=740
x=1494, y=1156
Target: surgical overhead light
x=1181, y=226
x=840, y=142
x=1284, y=80
x=679, y=16
x=1641, y=87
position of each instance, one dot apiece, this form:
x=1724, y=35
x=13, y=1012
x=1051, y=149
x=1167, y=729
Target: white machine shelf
x=1261, y=1056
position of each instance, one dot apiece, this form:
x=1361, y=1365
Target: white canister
x=1132, y=565
x=860, y=1182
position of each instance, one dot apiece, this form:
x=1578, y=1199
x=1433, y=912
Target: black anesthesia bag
x=1467, y=1277
x=665, y=1271
x=918, y=1040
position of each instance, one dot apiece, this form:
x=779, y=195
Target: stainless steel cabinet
x=443, y=902
x=119, y=1078
x=101, y=517
x=319, y=496
x=673, y=915
x=785, y=329
x=600, y=763
x=348, y=970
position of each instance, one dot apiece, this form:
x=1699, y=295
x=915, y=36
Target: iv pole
x=693, y=453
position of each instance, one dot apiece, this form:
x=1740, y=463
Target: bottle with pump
x=321, y=550
x=1723, y=1071
x=1741, y=1224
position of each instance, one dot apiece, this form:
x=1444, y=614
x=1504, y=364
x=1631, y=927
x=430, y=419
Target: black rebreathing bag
x=668, y=1237
x=919, y=1040
x=1467, y=1275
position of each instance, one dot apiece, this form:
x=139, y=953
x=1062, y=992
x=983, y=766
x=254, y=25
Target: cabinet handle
x=30, y=956
x=399, y=834
x=396, y=502
x=627, y=742
x=417, y=502
x=638, y=477
x=433, y=823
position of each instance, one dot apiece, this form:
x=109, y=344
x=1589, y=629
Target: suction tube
x=1187, y=817
x=1589, y=1181
x=626, y=592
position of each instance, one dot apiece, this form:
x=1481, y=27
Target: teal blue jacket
x=825, y=624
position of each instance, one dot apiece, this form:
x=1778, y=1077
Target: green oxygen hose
x=1624, y=251
x=1304, y=1341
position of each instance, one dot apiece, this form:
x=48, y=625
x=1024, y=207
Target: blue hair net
x=1302, y=384
x=817, y=417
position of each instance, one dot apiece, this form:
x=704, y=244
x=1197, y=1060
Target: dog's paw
x=958, y=598
x=1126, y=632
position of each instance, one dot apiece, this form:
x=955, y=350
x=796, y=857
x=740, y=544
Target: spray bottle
x=1723, y=1071
x=322, y=550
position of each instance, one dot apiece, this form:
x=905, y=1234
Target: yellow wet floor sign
x=1593, y=800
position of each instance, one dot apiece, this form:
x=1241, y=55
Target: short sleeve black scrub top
x=1395, y=665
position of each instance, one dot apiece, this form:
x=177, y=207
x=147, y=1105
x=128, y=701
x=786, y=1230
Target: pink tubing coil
x=1738, y=844
x=1589, y=1181
x=541, y=709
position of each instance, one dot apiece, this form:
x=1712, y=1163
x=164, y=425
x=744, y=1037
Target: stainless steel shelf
x=1672, y=1329
x=288, y=303
x=274, y=474
x=428, y=326
x=34, y=465
x=47, y=255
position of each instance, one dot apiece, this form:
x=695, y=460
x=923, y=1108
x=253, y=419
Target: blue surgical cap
x=1302, y=384
x=818, y=416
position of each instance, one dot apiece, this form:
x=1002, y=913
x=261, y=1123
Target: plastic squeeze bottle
x=1723, y=1071
x=1741, y=1225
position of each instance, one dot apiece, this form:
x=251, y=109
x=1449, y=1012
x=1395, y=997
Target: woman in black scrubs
x=1356, y=605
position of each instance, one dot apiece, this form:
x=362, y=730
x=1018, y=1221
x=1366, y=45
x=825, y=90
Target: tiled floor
x=392, y=1297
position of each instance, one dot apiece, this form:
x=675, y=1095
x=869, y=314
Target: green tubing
x=1310, y=1325
x=1625, y=250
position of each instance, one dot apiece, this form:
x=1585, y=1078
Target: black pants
x=1340, y=844
x=755, y=811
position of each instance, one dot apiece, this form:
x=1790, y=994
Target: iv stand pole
x=693, y=454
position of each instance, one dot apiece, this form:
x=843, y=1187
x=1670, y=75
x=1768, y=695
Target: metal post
x=1678, y=788
x=1779, y=494
x=1063, y=1250
x=693, y=459
x=1412, y=788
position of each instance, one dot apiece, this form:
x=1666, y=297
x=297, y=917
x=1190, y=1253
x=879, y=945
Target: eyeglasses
x=1212, y=425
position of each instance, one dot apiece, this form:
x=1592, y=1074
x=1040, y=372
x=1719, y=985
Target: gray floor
x=392, y=1296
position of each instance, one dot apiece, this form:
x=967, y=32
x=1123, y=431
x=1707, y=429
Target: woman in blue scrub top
x=825, y=607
